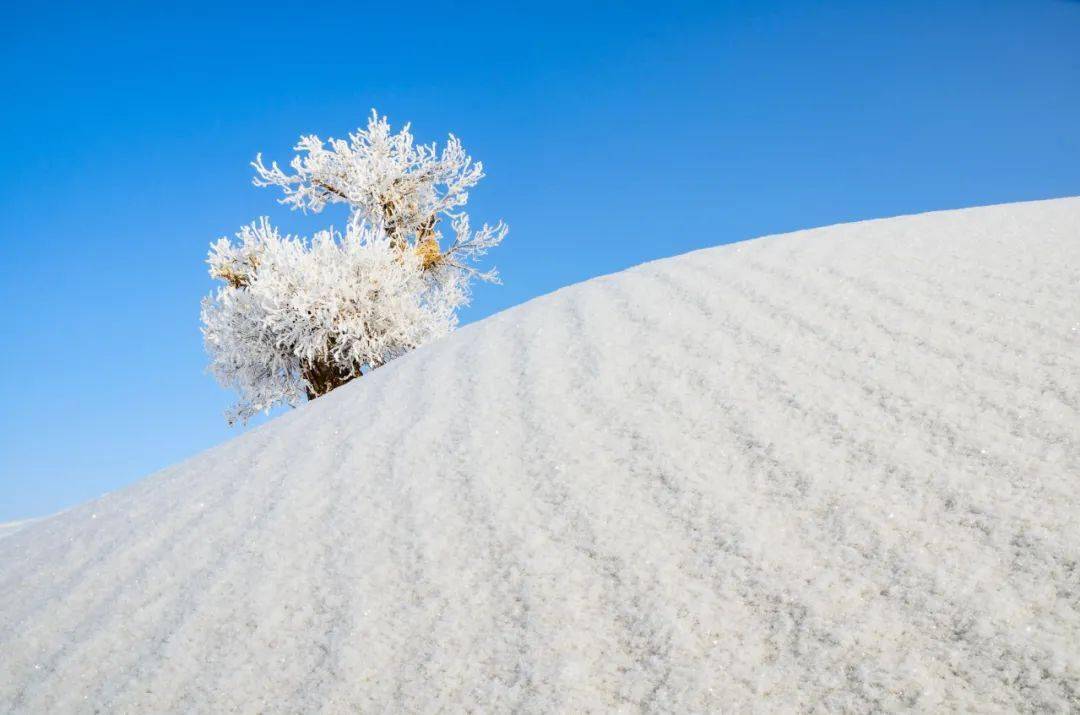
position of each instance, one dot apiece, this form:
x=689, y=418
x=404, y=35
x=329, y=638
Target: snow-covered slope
x=10, y=527
x=836, y=469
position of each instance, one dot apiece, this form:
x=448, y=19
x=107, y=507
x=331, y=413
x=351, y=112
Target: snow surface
x=831, y=470
x=10, y=527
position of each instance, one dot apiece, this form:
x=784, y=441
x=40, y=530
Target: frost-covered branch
x=385, y=178
x=314, y=315
x=296, y=318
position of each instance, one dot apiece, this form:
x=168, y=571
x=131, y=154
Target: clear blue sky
x=612, y=134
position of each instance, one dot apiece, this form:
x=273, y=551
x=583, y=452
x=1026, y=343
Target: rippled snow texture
x=833, y=470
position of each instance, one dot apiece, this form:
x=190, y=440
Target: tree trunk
x=322, y=377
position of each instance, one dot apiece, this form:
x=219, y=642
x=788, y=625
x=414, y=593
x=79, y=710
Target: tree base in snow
x=323, y=377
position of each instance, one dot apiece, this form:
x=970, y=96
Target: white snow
x=10, y=527
x=832, y=470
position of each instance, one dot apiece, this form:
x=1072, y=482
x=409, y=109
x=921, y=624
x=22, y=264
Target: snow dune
x=833, y=470
x=10, y=527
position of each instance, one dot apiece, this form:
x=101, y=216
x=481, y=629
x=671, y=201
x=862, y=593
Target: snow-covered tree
x=296, y=318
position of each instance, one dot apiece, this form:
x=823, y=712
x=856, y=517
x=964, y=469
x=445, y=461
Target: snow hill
x=9, y=528
x=831, y=470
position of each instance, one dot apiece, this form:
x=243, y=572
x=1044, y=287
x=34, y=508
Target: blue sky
x=612, y=134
